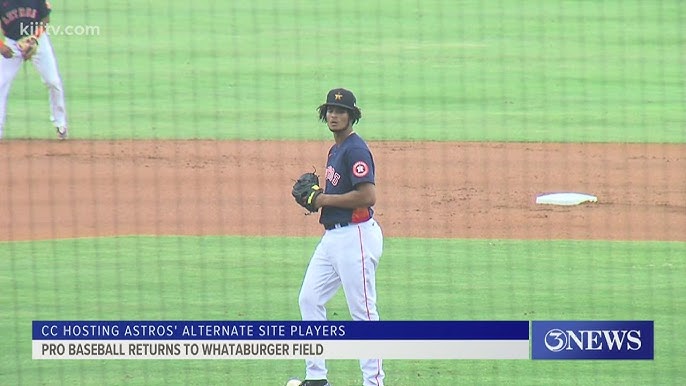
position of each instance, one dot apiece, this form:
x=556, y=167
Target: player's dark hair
x=355, y=113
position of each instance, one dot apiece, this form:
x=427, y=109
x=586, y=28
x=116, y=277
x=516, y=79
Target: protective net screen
x=188, y=124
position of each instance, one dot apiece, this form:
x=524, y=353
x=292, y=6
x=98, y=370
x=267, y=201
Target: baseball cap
x=341, y=97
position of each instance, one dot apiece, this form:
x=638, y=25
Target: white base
x=565, y=198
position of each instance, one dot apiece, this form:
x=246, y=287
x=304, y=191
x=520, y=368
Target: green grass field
x=433, y=70
x=556, y=70
x=234, y=278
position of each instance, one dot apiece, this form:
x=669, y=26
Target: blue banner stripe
x=280, y=330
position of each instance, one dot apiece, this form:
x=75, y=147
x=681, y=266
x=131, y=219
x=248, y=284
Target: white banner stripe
x=251, y=349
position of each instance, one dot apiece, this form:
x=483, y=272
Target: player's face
x=337, y=118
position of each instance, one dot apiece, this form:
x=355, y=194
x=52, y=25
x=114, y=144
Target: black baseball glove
x=305, y=191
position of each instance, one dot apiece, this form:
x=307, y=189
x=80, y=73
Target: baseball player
x=349, y=251
x=23, y=25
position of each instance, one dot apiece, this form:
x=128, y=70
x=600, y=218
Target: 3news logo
x=592, y=340
x=557, y=340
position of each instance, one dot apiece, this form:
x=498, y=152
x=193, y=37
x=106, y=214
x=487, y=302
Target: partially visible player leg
x=357, y=262
x=8, y=70
x=45, y=63
x=320, y=284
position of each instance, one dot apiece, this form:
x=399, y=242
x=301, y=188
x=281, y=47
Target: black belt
x=329, y=227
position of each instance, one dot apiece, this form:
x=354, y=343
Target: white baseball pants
x=45, y=62
x=345, y=257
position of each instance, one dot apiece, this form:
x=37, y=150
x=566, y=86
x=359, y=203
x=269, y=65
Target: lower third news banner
x=280, y=340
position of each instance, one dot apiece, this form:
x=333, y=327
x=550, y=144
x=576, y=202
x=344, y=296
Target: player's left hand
x=305, y=191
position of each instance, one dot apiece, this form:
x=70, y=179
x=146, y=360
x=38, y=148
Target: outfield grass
x=234, y=278
x=596, y=71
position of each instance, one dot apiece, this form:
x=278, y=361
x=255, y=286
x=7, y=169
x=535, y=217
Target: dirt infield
x=51, y=189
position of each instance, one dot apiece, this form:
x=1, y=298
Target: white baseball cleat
x=62, y=132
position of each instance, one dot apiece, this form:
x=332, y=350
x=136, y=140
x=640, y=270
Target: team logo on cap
x=360, y=169
x=338, y=96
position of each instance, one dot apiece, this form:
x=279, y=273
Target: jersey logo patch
x=360, y=169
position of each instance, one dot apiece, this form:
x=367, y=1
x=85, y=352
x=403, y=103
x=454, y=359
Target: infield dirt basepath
x=51, y=189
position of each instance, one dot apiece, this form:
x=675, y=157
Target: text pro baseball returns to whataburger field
x=562, y=340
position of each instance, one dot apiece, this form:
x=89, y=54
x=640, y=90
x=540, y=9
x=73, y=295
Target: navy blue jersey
x=348, y=165
x=20, y=17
